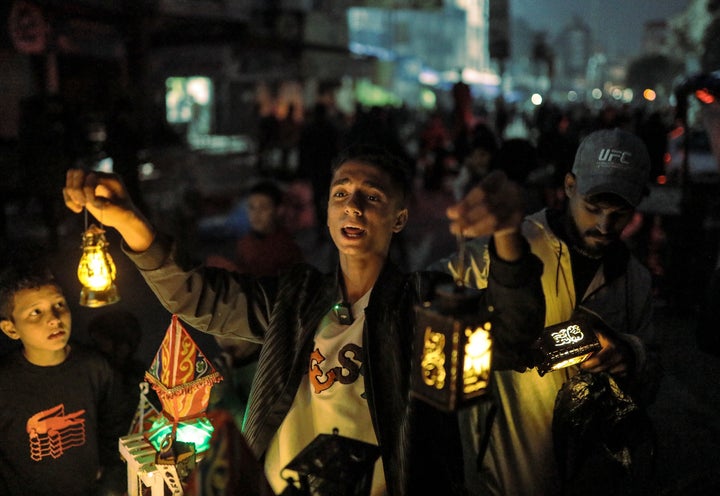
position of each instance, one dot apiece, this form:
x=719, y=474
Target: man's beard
x=577, y=240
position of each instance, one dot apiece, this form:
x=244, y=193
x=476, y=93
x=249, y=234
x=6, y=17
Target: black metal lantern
x=568, y=343
x=454, y=348
x=333, y=465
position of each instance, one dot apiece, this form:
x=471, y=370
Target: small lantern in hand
x=453, y=348
x=568, y=343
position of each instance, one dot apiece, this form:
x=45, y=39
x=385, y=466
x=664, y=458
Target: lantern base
x=93, y=299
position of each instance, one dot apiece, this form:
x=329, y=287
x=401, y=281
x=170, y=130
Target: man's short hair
x=381, y=158
x=269, y=189
x=18, y=277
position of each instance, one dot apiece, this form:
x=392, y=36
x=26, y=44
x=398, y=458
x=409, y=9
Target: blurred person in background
x=478, y=162
x=266, y=250
x=318, y=144
x=268, y=247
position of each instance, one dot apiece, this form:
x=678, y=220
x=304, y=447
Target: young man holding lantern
x=586, y=265
x=338, y=348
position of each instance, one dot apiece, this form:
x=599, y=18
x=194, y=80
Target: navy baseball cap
x=613, y=161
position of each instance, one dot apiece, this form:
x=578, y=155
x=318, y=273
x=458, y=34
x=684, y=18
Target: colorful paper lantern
x=181, y=375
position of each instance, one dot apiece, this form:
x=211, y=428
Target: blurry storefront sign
x=398, y=4
x=28, y=28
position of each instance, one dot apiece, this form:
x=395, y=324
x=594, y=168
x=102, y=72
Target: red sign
x=27, y=27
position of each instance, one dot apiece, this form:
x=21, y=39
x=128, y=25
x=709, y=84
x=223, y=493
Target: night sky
x=616, y=24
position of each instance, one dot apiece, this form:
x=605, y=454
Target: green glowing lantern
x=183, y=377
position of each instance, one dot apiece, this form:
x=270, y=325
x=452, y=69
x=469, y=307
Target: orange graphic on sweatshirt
x=51, y=432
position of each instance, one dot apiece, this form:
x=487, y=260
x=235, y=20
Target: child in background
x=59, y=428
x=268, y=248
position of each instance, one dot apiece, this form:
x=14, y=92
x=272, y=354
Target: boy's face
x=41, y=320
x=364, y=210
x=262, y=213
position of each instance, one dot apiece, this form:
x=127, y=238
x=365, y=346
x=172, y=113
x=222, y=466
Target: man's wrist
x=507, y=231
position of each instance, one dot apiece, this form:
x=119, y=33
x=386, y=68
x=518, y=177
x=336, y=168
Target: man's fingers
x=73, y=193
x=495, y=204
x=70, y=203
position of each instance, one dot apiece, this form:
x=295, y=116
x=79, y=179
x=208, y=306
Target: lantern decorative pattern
x=181, y=375
x=454, y=344
x=96, y=270
x=333, y=465
x=570, y=342
x=163, y=448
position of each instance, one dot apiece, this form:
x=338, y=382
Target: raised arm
x=492, y=212
x=495, y=207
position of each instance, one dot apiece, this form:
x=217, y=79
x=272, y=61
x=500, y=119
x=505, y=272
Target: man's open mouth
x=353, y=232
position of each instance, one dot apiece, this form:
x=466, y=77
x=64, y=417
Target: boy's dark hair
x=381, y=158
x=21, y=276
x=269, y=189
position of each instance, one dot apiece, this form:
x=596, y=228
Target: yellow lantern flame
x=478, y=354
x=96, y=270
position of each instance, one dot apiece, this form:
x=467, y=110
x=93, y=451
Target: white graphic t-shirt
x=331, y=396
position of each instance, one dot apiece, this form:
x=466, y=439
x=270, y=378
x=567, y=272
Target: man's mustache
x=597, y=234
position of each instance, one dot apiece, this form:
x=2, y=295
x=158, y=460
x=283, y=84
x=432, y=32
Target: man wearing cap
x=585, y=263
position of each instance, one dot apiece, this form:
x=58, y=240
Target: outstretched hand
x=495, y=207
x=614, y=357
x=104, y=195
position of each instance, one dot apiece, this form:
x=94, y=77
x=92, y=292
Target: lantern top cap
x=457, y=299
